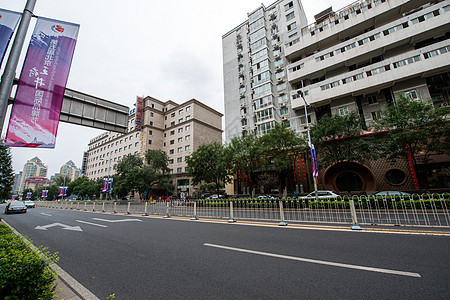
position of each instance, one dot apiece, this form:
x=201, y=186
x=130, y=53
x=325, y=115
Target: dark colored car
x=15, y=207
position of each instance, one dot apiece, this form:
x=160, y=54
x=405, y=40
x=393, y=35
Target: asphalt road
x=155, y=258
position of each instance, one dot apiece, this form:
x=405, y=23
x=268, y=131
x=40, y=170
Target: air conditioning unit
x=284, y=118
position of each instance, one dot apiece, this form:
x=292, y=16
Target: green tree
x=245, y=154
x=416, y=130
x=134, y=175
x=337, y=139
x=62, y=180
x=84, y=187
x=278, y=146
x=6, y=172
x=209, y=164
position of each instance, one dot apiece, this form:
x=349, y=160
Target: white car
x=321, y=195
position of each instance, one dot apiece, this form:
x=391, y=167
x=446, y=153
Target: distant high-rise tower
x=70, y=170
x=33, y=167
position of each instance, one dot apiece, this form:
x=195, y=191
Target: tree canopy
x=6, y=172
x=209, y=164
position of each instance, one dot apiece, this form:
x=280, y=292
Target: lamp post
x=311, y=149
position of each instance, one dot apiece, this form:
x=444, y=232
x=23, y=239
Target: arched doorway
x=349, y=177
x=349, y=181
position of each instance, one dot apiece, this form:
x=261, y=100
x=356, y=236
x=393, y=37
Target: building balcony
x=422, y=62
x=373, y=43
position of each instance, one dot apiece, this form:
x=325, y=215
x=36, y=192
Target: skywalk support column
x=13, y=59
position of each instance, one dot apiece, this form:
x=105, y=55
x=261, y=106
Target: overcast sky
x=170, y=50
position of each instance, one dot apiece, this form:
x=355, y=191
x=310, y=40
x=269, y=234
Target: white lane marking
x=49, y=215
x=89, y=223
x=64, y=226
x=117, y=221
x=315, y=261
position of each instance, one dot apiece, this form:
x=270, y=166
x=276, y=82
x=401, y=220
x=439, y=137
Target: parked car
x=29, y=204
x=215, y=197
x=266, y=197
x=391, y=193
x=15, y=207
x=321, y=195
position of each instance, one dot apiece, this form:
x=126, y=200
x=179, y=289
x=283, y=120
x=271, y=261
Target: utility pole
x=9, y=73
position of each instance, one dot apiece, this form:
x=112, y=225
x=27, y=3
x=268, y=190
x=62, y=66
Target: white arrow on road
x=117, y=221
x=66, y=227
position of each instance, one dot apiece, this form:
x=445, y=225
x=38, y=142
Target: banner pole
x=13, y=59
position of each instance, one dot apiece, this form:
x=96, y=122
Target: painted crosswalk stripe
x=315, y=261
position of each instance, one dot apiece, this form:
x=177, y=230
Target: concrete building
x=33, y=167
x=36, y=182
x=257, y=93
x=16, y=186
x=177, y=129
x=358, y=58
x=70, y=170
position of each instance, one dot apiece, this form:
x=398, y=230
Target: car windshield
x=16, y=204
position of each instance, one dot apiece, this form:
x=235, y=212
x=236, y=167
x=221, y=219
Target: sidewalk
x=64, y=292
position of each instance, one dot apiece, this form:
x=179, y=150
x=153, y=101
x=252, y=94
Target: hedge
x=24, y=273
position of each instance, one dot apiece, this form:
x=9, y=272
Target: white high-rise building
x=70, y=170
x=254, y=65
x=357, y=58
x=33, y=167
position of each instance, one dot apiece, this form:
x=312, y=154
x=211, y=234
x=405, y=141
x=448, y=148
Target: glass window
x=290, y=16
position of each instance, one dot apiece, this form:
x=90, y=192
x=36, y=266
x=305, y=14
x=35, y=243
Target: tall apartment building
x=177, y=129
x=359, y=58
x=257, y=92
x=33, y=167
x=70, y=170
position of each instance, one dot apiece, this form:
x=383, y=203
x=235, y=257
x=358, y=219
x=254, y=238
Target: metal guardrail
x=430, y=210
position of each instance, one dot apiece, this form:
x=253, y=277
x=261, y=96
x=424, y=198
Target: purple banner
x=62, y=191
x=107, y=185
x=37, y=106
x=44, y=193
x=8, y=23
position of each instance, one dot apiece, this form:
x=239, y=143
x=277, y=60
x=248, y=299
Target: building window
x=180, y=112
x=172, y=123
x=172, y=115
x=395, y=176
x=412, y=95
x=150, y=132
x=171, y=151
x=188, y=118
x=179, y=170
x=291, y=26
x=180, y=130
x=343, y=111
x=180, y=121
x=290, y=16
x=172, y=132
x=151, y=123
x=188, y=108
x=188, y=127
x=179, y=159
x=151, y=114
x=172, y=142
x=188, y=137
x=288, y=6
x=180, y=140
x=187, y=148
x=180, y=149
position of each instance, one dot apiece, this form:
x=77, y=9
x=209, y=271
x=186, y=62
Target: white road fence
x=430, y=210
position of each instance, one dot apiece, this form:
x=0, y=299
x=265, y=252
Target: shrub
x=24, y=273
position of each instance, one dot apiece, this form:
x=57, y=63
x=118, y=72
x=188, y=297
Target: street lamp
x=311, y=147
